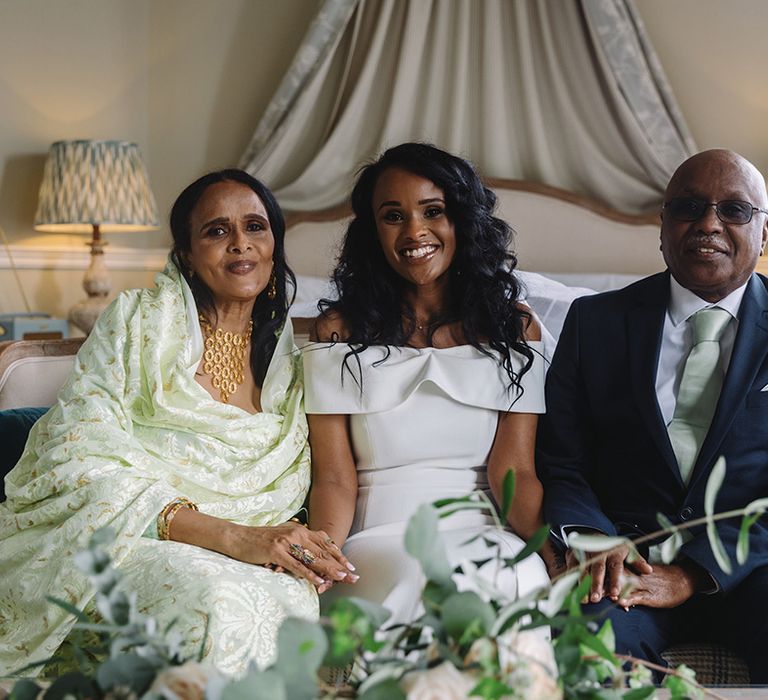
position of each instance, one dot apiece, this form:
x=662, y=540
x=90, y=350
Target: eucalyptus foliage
x=121, y=654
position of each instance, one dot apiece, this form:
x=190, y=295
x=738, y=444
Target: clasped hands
x=309, y=554
x=637, y=582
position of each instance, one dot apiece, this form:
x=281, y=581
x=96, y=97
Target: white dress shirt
x=677, y=339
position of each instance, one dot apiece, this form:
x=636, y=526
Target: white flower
x=527, y=659
x=444, y=682
x=185, y=682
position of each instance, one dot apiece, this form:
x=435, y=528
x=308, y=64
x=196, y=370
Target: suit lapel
x=645, y=324
x=749, y=351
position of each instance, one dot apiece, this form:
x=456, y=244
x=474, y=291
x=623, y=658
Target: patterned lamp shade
x=95, y=183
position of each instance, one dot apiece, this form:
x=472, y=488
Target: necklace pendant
x=224, y=357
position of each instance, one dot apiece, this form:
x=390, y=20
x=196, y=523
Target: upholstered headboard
x=557, y=231
x=577, y=244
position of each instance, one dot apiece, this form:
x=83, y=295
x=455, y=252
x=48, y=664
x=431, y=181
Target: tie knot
x=709, y=324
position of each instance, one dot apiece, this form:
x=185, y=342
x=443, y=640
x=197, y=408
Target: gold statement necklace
x=224, y=357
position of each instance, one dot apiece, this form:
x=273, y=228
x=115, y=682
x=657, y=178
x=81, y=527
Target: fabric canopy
x=566, y=93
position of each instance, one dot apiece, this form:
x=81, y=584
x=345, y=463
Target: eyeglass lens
x=729, y=211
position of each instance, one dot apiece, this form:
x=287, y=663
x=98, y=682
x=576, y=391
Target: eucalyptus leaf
x=388, y=689
x=714, y=482
x=377, y=614
x=507, y=493
x=127, y=669
x=759, y=505
x=301, y=646
x=639, y=693
x=534, y=544
x=385, y=676
x=461, y=609
x=742, y=544
x=256, y=685
x=424, y=542
x=595, y=543
x=70, y=685
x=671, y=546
x=558, y=594
x=24, y=689
x=66, y=605
x=718, y=550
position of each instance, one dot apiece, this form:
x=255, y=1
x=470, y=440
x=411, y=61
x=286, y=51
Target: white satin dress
x=422, y=423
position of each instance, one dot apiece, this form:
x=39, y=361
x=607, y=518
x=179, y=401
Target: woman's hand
x=309, y=554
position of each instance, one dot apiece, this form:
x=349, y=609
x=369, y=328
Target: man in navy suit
x=607, y=446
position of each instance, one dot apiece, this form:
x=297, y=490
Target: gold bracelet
x=167, y=514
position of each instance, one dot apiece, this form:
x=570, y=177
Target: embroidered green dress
x=130, y=431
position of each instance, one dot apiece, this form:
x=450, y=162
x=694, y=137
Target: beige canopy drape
x=566, y=92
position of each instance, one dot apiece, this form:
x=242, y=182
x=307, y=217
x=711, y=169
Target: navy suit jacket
x=604, y=455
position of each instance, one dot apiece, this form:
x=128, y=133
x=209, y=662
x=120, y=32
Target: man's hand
x=610, y=571
x=668, y=586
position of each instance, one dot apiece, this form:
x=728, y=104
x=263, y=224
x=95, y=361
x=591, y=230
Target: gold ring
x=301, y=554
x=329, y=540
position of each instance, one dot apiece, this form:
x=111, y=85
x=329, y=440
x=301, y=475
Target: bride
x=425, y=379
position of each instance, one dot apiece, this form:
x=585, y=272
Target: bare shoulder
x=329, y=326
x=531, y=325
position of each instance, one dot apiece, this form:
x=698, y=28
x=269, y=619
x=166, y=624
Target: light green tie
x=699, y=388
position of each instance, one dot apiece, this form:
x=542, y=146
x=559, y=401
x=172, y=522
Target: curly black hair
x=268, y=315
x=483, y=288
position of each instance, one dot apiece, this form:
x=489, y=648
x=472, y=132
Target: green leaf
x=462, y=609
x=127, y=669
x=70, y=685
x=533, y=545
x=670, y=547
x=714, y=483
x=561, y=587
x=639, y=693
x=742, y=545
x=79, y=614
x=592, y=642
x=491, y=689
x=256, y=685
x=759, y=505
x=595, y=543
x=377, y=614
x=301, y=646
x=386, y=690
x=423, y=541
x=507, y=493
x=24, y=689
x=607, y=636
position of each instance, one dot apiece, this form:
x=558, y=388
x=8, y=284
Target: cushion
x=15, y=424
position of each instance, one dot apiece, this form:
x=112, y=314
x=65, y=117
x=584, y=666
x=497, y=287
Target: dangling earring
x=272, y=288
x=191, y=273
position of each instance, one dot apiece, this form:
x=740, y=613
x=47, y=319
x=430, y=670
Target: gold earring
x=272, y=288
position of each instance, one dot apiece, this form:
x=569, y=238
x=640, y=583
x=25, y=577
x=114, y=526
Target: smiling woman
x=427, y=378
x=182, y=428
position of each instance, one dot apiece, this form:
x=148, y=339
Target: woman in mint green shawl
x=182, y=428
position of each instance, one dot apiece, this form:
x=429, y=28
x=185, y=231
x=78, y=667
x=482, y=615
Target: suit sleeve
x=565, y=436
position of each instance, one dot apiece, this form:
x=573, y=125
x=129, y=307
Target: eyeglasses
x=729, y=211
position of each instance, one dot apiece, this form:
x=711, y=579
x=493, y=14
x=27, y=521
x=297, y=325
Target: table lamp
x=94, y=187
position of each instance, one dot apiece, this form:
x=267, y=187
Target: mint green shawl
x=130, y=431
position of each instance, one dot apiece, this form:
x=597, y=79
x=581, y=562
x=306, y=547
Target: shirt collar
x=683, y=303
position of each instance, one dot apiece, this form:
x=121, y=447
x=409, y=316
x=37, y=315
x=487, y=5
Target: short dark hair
x=268, y=314
x=484, y=289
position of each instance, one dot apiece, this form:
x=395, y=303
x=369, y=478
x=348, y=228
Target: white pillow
x=549, y=299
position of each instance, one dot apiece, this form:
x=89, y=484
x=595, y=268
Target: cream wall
x=188, y=80
x=715, y=55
